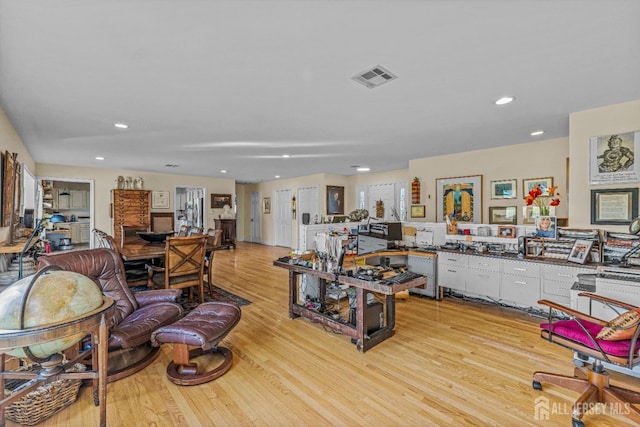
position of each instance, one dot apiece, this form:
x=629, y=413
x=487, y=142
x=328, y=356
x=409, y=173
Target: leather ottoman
x=204, y=327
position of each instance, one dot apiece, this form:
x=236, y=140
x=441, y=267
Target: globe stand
x=93, y=322
x=52, y=366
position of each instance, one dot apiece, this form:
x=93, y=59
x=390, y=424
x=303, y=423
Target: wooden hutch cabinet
x=228, y=227
x=130, y=207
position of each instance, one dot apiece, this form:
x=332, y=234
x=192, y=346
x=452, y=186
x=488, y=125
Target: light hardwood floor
x=452, y=363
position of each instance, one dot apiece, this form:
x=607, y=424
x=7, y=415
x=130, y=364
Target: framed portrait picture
x=417, y=211
x=160, y=200
x=507, y=231
x=335, y=200
x=503, y=215
x=505, y=189
x=546, y=227
x=611, y=158
x=614, y=206
x=459, y=198
x=266, y=205
x=219, y=200
x=531, y=183
x=580, y=251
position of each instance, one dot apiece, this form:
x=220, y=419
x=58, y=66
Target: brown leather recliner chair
x=137, y=315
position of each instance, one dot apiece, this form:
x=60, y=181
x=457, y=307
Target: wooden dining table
x=136, y=250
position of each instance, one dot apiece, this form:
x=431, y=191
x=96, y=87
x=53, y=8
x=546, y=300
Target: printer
x=378, y=236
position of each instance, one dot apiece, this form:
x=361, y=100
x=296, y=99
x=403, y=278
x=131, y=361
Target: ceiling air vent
x=374, y=77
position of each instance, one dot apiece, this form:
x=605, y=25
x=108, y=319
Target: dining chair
x=129, y=233
x=135, y=271
x=195, y=231
x=213, y=243
x=183, y=265
x=184, y=229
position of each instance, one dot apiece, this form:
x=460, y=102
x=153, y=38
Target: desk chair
x=183, y=265
x=614, y=342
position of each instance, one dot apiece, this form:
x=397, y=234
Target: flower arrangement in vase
x=543, y=199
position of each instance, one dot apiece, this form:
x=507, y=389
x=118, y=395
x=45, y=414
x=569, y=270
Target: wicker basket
x=44, y=401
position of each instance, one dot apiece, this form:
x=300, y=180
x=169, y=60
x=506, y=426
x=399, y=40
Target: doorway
x=189, y=207
x=256, y=217
x=73, y=199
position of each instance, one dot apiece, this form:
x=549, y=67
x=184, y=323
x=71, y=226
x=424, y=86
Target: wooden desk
x=141, y=250
x=94, y=323
x=17, y=247
x=364, y=341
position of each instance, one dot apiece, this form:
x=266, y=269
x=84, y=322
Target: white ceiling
x=211, y=85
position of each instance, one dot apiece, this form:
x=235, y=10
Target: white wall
x=105, y=181
x=620, y=118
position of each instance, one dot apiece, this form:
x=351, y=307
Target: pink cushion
x=571, y=330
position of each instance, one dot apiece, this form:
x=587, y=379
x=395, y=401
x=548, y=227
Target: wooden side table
x=94, y=323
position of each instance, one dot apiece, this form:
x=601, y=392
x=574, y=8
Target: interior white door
x=282, y=218
x=256, y=217
x=308, y=203
x=384, y=192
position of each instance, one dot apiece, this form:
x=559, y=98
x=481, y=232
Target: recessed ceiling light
x=99, y=158
x=121, y=125
x=286, y=156
x=277, y=176
x=223, y=171
x=536, y=133
x=363, y=169
x=504, y=100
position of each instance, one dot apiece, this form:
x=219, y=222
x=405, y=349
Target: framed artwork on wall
x=459, y=198
x=160, y=200
x=611, y=158
x=335, y=200
x=531, y=183
x=266, y=205
x=417, y=211
x=505, y=189
x=219, y=200
x=614, y=206
x=503, y=215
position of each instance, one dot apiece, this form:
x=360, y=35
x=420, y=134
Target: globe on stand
x=47, y=298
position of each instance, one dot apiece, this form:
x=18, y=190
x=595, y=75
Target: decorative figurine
x=138, y=184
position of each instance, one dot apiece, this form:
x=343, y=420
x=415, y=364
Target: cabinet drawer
x=451, y=276
x=556, y=288
x=453, y=259
x=485, y=283
x=484, y=263
x=521, y=268
x=563, y=272
x=520, y=289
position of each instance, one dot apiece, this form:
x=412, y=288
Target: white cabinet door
x=85, y=233
x=75, y=232
x=78, y=199
x=452, y=270
x=64, y=201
